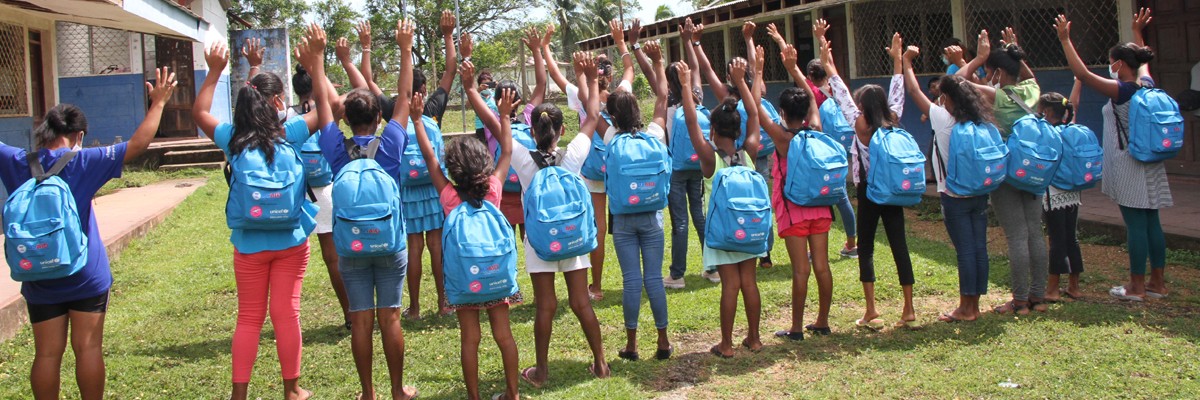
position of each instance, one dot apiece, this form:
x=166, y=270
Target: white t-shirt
x=572, y=160
x=575, y=103
x=942, y=123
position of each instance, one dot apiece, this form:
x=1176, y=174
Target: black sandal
x=661, y=354
x=717, y=352
x=628, y=355
x=817, y=330
x=794, y=336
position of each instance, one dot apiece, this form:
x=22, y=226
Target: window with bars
x=13, y=98
x=714, y=47
x=1093, y=28
x=774, y=61
x=923, y=23
x=91, y=50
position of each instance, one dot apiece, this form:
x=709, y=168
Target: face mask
x=945, y=61
x=1113, y=71
x=486, y=93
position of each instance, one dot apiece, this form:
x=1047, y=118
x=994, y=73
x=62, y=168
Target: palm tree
x=663, y=12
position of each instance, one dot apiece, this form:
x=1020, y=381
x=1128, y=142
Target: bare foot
x=300, y=394
x=412, y=314
x=534, y=376
x=600, y=370
x=956, y=316
x=408, y=392
x=364, y=396
x=753, y=345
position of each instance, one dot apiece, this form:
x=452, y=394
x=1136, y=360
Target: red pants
x=275, y=277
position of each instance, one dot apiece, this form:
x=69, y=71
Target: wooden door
x=177, y=116
x=839, y=36
x=1175, y=37
x=37, y=77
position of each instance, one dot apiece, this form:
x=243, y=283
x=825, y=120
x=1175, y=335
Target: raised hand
x=984, y=47
x=404, y=34
x=507, y=103
x=896, y=48
x=826, y=52
x=532, y=39
x=911, y=53
x=653, y=50
x=1141, y=19
x=217, y=56
x=416, y=107
x=164, y=85
x=685, y=73
x=760, y=58
x=466, y=45
x=342, y=50
x=789, y=57
x=253, y=51
x=1063, y=27
x=773, y=32
x=820, y=27
x=447, y=23
x=748, y=29
x=697, y=31
x=466, y=70
x=585, y=62
x=548, y=35
x=737, y=70
x=617, y=31
x=363, y=29
x=1008, y=36
x=687, y=31
x=635, y=30
x=315, y=36
x=954, y=54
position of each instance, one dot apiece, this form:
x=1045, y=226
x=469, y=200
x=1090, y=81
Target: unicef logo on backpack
x=634, y=199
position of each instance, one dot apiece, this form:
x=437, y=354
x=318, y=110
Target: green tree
x=663, y=12
x=272, y=14
x=337, y=18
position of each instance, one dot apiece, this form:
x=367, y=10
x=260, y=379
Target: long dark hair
x=547, y=123
x=1007, y=58
x=1055, y=105
x=1131, y=54
x=674, y=87
x=470, y=166
x=872, y=102
x=622, y=106
x=968, y=102
x=302, y=82
x=62, y=119
x=725, y=120
x=255, y=119
x=794, y=103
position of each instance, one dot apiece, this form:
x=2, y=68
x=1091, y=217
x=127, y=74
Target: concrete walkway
x=123, y=216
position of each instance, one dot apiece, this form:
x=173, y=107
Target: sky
x=646, y=13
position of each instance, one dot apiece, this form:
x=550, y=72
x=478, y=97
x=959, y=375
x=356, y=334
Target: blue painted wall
x=222, y=108
x=114, y=104
x=15, y=131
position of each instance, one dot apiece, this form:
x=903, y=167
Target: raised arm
x=635, y=31
x=773, y=32
x=660, y=91
x=533, y=40
x=1105, y=86
x=555, y=74
x=342, y=51
x=704, y=150
x=910, y=81
x=312, y=54
x=585, y=62
x=837, y=87
x=416, y=106
x=1009, y=37
x=714, y=82
x=983, y=48
x=687, y=35
x=217, y=57
x=253, y=51
x=778, y=134
x=1141, y=20
x=507, y=104
x=738, y=73
x=896, y=86
x=748, y=29
x=447, y=27
x=466, y=73
x=1076, y=89
x=364, y=40
x=159, y=93
x=618, y=35
x=404, y=82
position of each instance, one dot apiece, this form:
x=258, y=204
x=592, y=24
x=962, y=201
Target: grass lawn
x=173, y=310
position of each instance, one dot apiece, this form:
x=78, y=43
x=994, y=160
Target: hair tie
x=1065, y=102
x=251, y=85
x=544, y=115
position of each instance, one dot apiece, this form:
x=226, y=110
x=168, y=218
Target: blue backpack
x=593, y=165
x=1035, y=151
x=817, y=168
x=739, y=211
x=683, y=155
x=1155, y=130
x=896, y=176
x=637, y=174
x=483, y=266
x=520, y=133
x=266, y=196
x=834, y=122
x=559, y=220
x=366, y=208
x=767, y=145
x=316, y=169
x=1082, y=159
x=977, y=159
x=413, y=171
x=43, y=235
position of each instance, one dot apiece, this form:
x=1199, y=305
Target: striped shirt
x=1129, y=182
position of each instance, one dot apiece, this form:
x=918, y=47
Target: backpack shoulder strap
x=372, y=148
x=541, y=160
x=937, y=153
x=732, y=160
x=1122, y=132
x=1017, y=99
x=35, y=165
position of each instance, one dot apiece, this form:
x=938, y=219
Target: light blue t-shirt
x=250, y=241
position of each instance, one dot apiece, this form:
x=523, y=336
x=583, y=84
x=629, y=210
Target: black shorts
x=46, y=312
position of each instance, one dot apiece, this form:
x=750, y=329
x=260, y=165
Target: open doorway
x=177, y=116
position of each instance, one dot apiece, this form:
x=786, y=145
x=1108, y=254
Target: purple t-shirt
x=391, y=147
x=85, y=174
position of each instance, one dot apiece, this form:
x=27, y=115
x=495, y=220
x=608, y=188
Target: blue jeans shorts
x=374, y=282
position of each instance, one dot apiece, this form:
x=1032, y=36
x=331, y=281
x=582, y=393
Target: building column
x=959, y=17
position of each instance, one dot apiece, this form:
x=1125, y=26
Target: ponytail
x=62, y=119
x=1054, y=105
x=725, y=120
x=255, y=120
x=1131, y=54
x=547, y=122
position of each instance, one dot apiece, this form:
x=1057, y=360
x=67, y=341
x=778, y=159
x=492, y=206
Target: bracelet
x=624, y=54
x=696, y=43
x=366, y=50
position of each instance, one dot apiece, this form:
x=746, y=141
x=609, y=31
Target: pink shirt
x=788, y=213
x=450, y=199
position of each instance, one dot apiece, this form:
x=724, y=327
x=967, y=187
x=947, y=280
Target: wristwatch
x=696, y=43
x=637, y=46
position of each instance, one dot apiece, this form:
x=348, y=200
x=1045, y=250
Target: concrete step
x=201, y=165
x=193, y=156
x=154, y=156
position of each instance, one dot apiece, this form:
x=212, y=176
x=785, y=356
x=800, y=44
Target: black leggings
x=1065, y=256
x=868, y=216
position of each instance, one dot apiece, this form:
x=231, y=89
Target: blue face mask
x=945, y=61
x=486, y=93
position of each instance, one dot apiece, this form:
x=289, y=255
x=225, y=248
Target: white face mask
x=1113, y=71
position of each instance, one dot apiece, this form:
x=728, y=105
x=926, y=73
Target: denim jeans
x=687, y=195
x=846, y=213
x=966, y=223
x=374, y=282
x=762, y=165
x=638, y=240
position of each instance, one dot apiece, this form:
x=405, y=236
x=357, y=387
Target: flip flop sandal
x=902, y=324
x=628, y=355
x=1155, y=295
x=526, y=376
x=1119, y=293
x=592, y=369
x=793, y=336
x=415, y=393
x=1011, y=307
x=661, y=354
x=1070, y=296
x=948, y=318
x=818, y=330
x=1041, y=305
x=717, y=352
x=594, y=296
x=765, y=262
x=498, y=396
x=752, y=350
x=874, y=324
